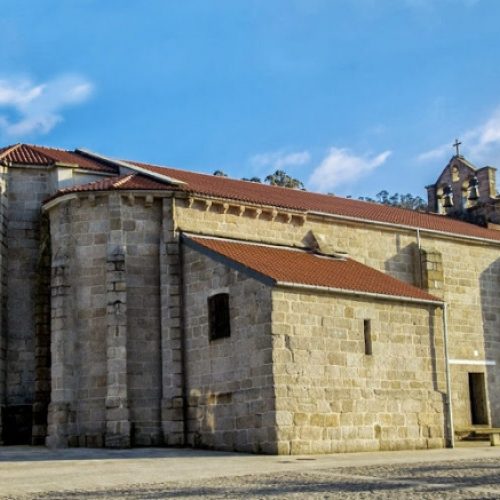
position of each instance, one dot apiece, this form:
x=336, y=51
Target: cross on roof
x=457, y=146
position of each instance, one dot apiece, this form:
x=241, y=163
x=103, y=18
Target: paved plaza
x=467, y=472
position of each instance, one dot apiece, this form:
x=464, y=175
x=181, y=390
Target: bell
x=447, y=197
x=473, y=189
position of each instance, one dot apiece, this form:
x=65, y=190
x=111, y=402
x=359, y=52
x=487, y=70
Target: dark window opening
x=477, y=393
x=218, y=316
x=367, y=331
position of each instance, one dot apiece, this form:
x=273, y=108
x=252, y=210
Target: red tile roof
x=305, y=201
x=127, y=182
x=287, y=265
x=251, y=192
x=26, y=154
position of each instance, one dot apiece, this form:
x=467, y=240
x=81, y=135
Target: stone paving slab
x=465, y=472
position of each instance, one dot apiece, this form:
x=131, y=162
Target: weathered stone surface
x=470, y=282
x=229, y=383
x=332, y=397
x=110, y=311
x=131, y=363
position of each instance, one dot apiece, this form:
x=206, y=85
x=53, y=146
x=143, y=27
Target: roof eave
x=61, y=197
x=437, y=232
x=270, y=281
x=382, y=296
x=347, y=218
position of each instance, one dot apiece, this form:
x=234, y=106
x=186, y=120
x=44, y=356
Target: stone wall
x=469, y=270
x=117, y=310
x=41, y=398
x=329, y=395
x=332, y=397
x=141, y=227
x=26, y=189
x=471, y=288
x=173, y=407
x=229, y=380
x=106, y=322
x=79, y=247
x=387, y=249
x=25, y=289
x=3, y=296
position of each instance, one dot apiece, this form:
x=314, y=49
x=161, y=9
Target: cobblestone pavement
x=470, y=479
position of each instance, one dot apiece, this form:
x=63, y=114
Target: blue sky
x=351, y=96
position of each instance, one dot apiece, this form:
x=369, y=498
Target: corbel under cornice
x=129, y=195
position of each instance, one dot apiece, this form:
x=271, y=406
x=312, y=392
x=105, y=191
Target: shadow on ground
x=471, y=480
x=41, y=453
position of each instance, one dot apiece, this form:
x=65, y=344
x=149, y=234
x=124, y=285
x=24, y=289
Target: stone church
x=147, y=306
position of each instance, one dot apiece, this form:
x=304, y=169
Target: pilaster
x=172, y=405
x=42, y=338
x=60, y=414
x=118, y=428
x=3, y=294
x=432, y=271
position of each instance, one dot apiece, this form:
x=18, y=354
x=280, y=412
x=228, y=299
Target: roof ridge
x=262, y=194
x=45, y=147
x=222, y=177
x=312, y=203
x=123, y=180
x=263, y=184
x=131, y=166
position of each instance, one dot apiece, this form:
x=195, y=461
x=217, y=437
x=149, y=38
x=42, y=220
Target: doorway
x=16, y=423
x=477, y=394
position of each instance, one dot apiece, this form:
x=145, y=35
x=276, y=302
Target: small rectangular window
x=367, y=330
x=218, y=316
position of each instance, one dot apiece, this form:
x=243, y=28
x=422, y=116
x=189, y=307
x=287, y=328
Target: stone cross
x=457, y=146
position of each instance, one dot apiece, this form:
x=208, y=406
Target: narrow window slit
x=367, y=330
x=218, y=316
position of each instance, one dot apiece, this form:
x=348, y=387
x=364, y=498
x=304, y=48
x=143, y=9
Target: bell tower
x=465, y=191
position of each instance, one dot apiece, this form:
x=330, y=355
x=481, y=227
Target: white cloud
x=480, y=144
x=279, y=160
x=437, y=153
x=485, y=139
x=30, y=108
x=341, y=166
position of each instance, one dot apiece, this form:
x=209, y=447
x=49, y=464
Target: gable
x=457, y=169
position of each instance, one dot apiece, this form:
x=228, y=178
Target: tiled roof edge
x=400, y=225
x=382, y=296
x=171, y=181
x=224, y=259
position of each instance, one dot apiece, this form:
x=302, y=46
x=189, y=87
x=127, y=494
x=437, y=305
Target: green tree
x=252, y=179
x=220, y=173
x=407, y=200
x=281, y=178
